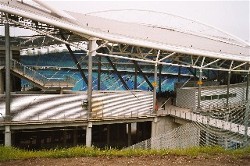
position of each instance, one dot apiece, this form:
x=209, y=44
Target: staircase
x=39, y=80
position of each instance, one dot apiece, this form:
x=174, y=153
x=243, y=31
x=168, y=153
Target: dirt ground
x=170, y=160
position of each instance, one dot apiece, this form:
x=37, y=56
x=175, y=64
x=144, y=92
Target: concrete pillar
x=89, y=134
x=7, y=136
x=129, y=134
x=247, y=111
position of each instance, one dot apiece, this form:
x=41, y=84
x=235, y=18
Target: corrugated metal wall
x=28, y=107
x=188, y=97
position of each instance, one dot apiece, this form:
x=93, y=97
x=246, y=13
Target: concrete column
x=7, y=136
x=247, y=111
x=89, y=134
x=129, y=134
x=91, y=46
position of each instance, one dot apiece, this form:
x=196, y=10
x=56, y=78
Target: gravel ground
x=171, y=160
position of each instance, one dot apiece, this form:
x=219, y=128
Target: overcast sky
x=230, y=16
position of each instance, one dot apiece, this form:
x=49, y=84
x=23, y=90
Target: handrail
x=39, y=78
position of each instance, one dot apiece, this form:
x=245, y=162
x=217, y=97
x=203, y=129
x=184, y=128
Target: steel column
x=228, y=87
x=92, y=46
x=199, y=89
x=135, y=79
x=246, y=118
x=7, y=134
x=155, y=86
x=99, y=73
x=160, y=77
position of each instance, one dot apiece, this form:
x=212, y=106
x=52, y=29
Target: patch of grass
x=11, y=153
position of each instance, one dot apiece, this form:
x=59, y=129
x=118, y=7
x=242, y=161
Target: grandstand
x=80, y=80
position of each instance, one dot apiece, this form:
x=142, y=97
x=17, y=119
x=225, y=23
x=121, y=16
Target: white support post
x=91, y=46
x=89, y=134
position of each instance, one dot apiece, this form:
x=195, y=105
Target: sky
x=231, y=16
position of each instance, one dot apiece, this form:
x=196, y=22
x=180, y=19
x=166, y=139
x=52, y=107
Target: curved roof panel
x=138, y=34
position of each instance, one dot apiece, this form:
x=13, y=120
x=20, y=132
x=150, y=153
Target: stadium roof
x=183, y=36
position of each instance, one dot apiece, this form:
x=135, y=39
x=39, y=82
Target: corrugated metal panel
x=122, y=103
x=188, y=97
x=28, y=107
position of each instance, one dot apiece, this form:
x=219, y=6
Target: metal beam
x=135, y=79
x=99, y=73
x=118, y=73
x=76, y=61
x=144, y=76
x=91, y=46
x=228, y=86
x=160, y=77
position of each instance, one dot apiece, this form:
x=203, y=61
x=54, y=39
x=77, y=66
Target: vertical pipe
x=228, y=86
x=135, y=79
x=246, y=119
x=7, y=133
x=7, y=70
x=99, y=72
x=155, y=86
x=247, y=88
x=92, y=47
x=199, y=89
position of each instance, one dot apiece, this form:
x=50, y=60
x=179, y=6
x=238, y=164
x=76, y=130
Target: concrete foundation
x=89, y=135
x=7, y=136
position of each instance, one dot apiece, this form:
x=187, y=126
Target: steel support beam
x=7, y=135
x=228, y=87
x=135, y=79
x=76, y=61
x=199, y=89
x=160, y=77
x=246, y=118
x=91, y=46
x=155, y=86
x=118, y=74
x=144, y=76
x=99, y=73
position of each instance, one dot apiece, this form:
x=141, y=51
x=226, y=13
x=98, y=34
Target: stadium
x=81, y=80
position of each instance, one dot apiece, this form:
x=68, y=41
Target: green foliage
x=11, y=153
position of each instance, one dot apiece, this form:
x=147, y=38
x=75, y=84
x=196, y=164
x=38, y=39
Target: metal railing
x=40, y=79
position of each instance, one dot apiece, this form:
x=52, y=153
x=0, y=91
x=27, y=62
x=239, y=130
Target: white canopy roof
x=137, y=34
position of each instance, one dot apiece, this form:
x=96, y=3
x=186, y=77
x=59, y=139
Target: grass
x=11, y=153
